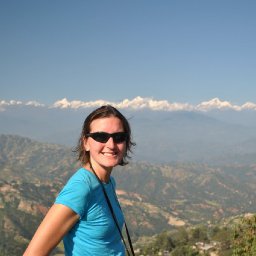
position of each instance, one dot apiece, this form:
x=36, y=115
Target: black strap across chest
x=114, y=216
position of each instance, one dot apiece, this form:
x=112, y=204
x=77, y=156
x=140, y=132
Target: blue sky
x=175, y=50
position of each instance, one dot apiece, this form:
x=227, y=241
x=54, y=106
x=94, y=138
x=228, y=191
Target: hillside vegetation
x=155, y=198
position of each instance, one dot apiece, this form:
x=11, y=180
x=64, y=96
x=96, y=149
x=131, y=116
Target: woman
x=86, y=213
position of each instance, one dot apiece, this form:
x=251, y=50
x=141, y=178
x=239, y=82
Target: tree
x=185, y=251
x=199, y=234
x=244, y=242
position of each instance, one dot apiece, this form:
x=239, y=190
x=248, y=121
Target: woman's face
x=109, y=154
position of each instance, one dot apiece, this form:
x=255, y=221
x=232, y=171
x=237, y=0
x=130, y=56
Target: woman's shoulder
x=84, y=176
x=81, y=173
x=80, y=183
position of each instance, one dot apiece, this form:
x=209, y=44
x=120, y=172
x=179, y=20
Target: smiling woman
x=86, y=213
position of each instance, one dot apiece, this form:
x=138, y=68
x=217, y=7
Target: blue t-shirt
x=95, y=233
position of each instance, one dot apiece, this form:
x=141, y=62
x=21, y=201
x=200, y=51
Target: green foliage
x=180, y=237
x=164, y=240
x=185, y=251
x=199, y=234
x=167, y=242
x=244, y=243
x=190, y=241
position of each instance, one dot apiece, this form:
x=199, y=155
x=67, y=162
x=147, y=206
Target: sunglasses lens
x=119, y=137
x=103, y=137
x=100, y=136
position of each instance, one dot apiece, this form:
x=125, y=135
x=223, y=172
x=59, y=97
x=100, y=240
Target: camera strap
x=114, y=216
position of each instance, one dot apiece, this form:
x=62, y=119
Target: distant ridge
x=137, y=103
x=219, y=135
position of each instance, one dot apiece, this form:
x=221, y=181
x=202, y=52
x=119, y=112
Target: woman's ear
x=86, y=144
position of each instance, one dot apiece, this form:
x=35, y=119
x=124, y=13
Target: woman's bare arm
x=54, y=226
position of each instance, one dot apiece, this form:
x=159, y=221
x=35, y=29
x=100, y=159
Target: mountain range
x=137, y=103
x=211, y=132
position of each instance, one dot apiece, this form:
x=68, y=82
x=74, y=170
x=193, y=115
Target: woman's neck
x=102, y=173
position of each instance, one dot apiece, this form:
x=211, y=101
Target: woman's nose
x=110, y=143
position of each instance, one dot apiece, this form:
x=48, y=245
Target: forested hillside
x=154, y=197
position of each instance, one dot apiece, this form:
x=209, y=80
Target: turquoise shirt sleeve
x=76, y=193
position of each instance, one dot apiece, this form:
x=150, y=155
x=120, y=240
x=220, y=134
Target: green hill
x=154, y=197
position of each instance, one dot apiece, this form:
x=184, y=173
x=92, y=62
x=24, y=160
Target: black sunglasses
x=103, y=137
